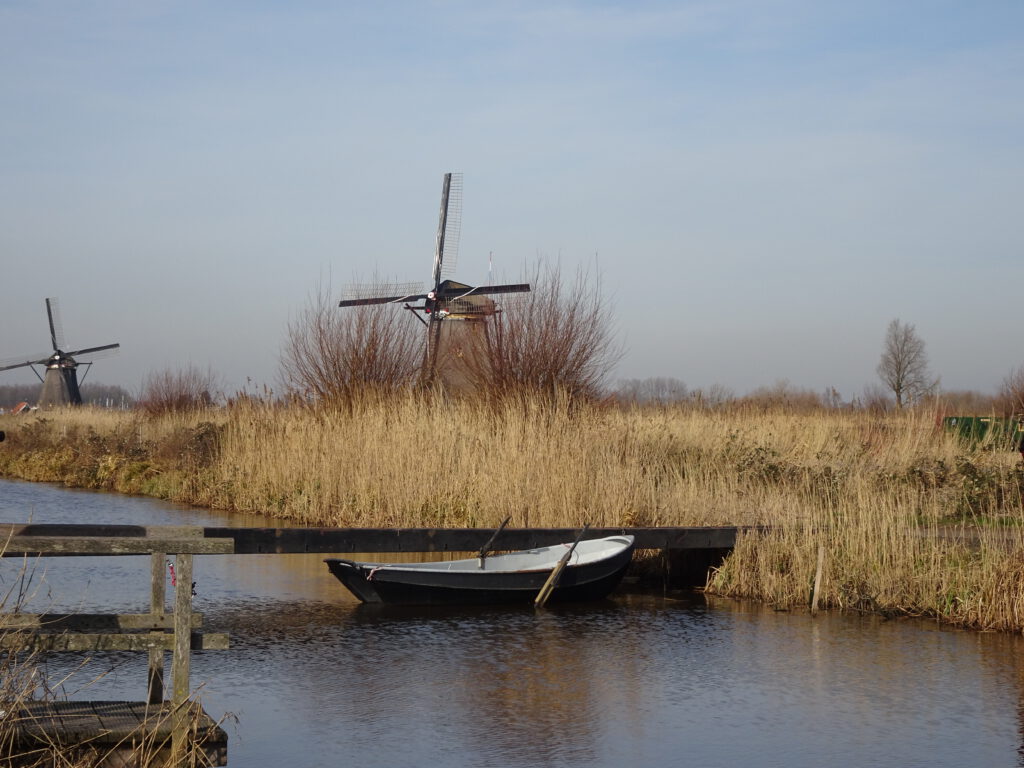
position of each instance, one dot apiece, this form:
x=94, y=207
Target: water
x=317, y=679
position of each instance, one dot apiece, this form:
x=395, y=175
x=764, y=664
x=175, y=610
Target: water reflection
x=316, y=678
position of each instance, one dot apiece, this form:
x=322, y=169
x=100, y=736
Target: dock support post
x=157, y=604
x=180, y=662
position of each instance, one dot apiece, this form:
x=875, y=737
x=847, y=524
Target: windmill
x=455, y=313
x=60, y=384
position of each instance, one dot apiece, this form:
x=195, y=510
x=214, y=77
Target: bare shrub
x=783, y=396
x=178, y=391
x=874, y=400
x=333, y=355
x=1010, y=400
x=658, y=389
x=963, y=402
x=555, y=341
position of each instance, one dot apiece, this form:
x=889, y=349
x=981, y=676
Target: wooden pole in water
x=817, y=579
x=556, y=573
x=157, y=598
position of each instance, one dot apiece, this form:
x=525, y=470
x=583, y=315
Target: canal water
x=315, y=679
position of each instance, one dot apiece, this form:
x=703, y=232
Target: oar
x=486, y=547
x=556, y=573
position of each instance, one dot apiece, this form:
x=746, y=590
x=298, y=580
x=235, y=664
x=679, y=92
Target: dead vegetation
x=868, y=489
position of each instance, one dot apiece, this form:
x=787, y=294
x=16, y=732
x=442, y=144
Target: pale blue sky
x=763, y=186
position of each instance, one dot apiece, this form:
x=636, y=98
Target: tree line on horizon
x=555, y=341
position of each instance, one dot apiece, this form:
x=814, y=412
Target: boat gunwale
x=626, y=541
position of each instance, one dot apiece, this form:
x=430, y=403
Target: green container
x=992, y=431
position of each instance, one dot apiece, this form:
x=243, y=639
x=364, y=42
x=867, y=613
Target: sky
x=761, y=186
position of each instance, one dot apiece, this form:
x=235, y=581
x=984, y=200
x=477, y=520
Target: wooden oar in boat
x=482, y=554
x=556, y=573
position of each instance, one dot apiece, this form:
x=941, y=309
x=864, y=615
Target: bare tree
x=553, y=340
x=904, y=364
x=332, y=354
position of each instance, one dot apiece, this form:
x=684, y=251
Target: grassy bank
x=865, y=491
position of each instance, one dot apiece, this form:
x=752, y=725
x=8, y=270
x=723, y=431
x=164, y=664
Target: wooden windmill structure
x=60, y=382
x=455, y=314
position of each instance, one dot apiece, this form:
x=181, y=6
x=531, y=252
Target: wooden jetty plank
x=125, y=728
x=103, y=539
x=113, y=545
x=338, y=540
x=90, y=529
x=90, y=622
x=90, y=642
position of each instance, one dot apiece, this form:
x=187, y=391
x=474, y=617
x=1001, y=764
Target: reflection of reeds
x=868, y=489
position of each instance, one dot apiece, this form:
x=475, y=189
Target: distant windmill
x=446, y=300
x=60, y=384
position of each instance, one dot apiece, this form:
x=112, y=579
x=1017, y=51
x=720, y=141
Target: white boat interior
x=542, y=558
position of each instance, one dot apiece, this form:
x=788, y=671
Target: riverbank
x=848, y=490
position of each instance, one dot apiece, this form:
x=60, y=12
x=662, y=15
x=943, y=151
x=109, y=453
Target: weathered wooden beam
x=75, y=641
x=90, y=529
x=157, y=599
x=344, y=540
x=92, y=622
x=181, y=659
x=113, y=545
x=338, y=540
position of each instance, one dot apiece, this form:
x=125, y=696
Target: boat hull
x=394, y=584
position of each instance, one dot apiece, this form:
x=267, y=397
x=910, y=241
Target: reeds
x=874, y=491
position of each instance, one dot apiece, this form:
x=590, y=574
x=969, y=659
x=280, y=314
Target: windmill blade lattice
x=56, y=327
x=453, y=226
x=361, y=294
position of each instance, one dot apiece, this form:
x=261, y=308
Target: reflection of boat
x=593, y=569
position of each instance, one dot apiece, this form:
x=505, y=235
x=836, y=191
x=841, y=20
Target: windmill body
x=456, y=313
x=60, y=382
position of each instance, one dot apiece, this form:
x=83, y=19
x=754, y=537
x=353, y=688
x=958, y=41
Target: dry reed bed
x=864, y=489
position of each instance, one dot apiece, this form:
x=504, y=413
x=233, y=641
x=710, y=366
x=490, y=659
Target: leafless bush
x=332, y=355
x=177, y=391
x=966, y=402
x=875, y=399
x=783, y=396
x=659, y=390
x=554, y=341
x=1010, y=400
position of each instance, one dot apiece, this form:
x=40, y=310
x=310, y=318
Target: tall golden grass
x=873, y=492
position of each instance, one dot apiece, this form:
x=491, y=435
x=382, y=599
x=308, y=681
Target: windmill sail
x=56, y=328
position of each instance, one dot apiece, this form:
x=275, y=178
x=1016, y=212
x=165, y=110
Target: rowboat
x=593, y=569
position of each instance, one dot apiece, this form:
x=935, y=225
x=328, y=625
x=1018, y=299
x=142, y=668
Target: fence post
x=157, y=604
x=180, y=661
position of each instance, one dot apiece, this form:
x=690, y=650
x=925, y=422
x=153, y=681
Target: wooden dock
x=179, y=727
x=174, y=732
